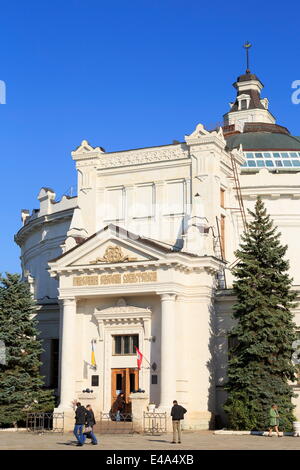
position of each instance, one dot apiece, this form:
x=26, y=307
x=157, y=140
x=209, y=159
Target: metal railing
x=155, y=423
x=45, y=422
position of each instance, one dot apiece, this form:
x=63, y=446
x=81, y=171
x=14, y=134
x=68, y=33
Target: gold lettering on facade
x=105, y=279
x=110, y=279
x=140, y=277
x=85, y=281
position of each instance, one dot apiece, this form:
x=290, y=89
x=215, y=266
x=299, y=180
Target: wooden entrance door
x=124, y=380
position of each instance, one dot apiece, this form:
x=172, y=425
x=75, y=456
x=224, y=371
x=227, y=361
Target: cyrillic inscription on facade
x=85, y=281
x=110, y=279
x=139, y=277
x=126, y=278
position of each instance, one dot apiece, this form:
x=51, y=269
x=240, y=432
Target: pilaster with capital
x=68, y=346
x=168, y=351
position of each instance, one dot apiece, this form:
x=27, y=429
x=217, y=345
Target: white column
x=68, y=357
x=168, y=352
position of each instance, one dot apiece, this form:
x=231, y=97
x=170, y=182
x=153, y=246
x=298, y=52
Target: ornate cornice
x=122, y=314
x=137, y=157
x=36, y=223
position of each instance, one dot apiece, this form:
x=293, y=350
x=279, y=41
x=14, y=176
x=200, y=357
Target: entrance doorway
x=126, y=381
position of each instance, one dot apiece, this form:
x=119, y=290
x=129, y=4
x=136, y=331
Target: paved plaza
x=201, y=440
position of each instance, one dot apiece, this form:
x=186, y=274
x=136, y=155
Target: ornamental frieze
x=135, y=158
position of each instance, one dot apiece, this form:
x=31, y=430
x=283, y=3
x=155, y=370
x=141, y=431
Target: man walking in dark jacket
x=80, y=419
x=177, y=413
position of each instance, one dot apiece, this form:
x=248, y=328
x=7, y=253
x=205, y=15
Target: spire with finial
x=247, y=46
x=248, y=105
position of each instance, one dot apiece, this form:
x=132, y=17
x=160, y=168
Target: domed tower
x=250, y=123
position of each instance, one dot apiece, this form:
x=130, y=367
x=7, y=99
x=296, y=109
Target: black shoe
x=179, y=442
x=79, y=445
x=94, y=443
x=173, y=442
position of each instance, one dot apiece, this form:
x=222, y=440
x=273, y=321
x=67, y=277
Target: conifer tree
x=21, y=386
x=260, y=368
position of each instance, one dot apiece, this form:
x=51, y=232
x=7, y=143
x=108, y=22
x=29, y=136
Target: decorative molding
x=139, y=157
x=202, y=136
x=113, y=254
x=122, y=314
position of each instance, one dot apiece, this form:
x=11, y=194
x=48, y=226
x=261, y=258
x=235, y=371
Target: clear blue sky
x=125, y=74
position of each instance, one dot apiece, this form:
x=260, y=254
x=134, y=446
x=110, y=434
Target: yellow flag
x=93, y=360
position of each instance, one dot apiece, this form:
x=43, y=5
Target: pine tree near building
x=260, y=368
x=21, y=385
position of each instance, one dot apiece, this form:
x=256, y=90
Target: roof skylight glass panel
x=272, y=159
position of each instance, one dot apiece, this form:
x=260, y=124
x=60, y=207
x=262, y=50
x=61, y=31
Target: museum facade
x=142, y=256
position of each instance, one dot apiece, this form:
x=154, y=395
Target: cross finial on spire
x=247, y=46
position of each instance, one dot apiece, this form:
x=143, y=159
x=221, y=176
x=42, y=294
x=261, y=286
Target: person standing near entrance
x=80, y=419
x=119, y=406
x=177, y=413
x=90, y=422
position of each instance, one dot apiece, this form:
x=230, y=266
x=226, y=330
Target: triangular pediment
x=111, y=246
x=111, y=251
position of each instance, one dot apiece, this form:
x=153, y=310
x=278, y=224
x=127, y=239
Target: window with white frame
x=143, y=201
x=114, y=204
x=174, y=197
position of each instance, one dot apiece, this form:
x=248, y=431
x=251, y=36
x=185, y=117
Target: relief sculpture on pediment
x=113, y=254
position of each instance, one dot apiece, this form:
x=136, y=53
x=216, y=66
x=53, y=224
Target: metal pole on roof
x=247, y=46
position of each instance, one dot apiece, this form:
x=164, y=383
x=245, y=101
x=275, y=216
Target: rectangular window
x=222, y=198
x=54, y=363
x=117, y=344
x=114, y=204
x=143, y=205
x=124, y=345
x=175, y=197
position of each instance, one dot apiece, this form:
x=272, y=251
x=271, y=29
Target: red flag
x=139, y=357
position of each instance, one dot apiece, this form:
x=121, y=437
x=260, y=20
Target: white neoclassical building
x=141, y=258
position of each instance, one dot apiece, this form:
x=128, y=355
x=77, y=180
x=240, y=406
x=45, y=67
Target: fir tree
x=260, y=366
x=21, y=386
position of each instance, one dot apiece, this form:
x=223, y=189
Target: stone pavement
x=191, y=440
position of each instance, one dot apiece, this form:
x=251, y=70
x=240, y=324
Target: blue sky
x=125, y=75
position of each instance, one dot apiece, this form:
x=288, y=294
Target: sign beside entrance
x=125, y=278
